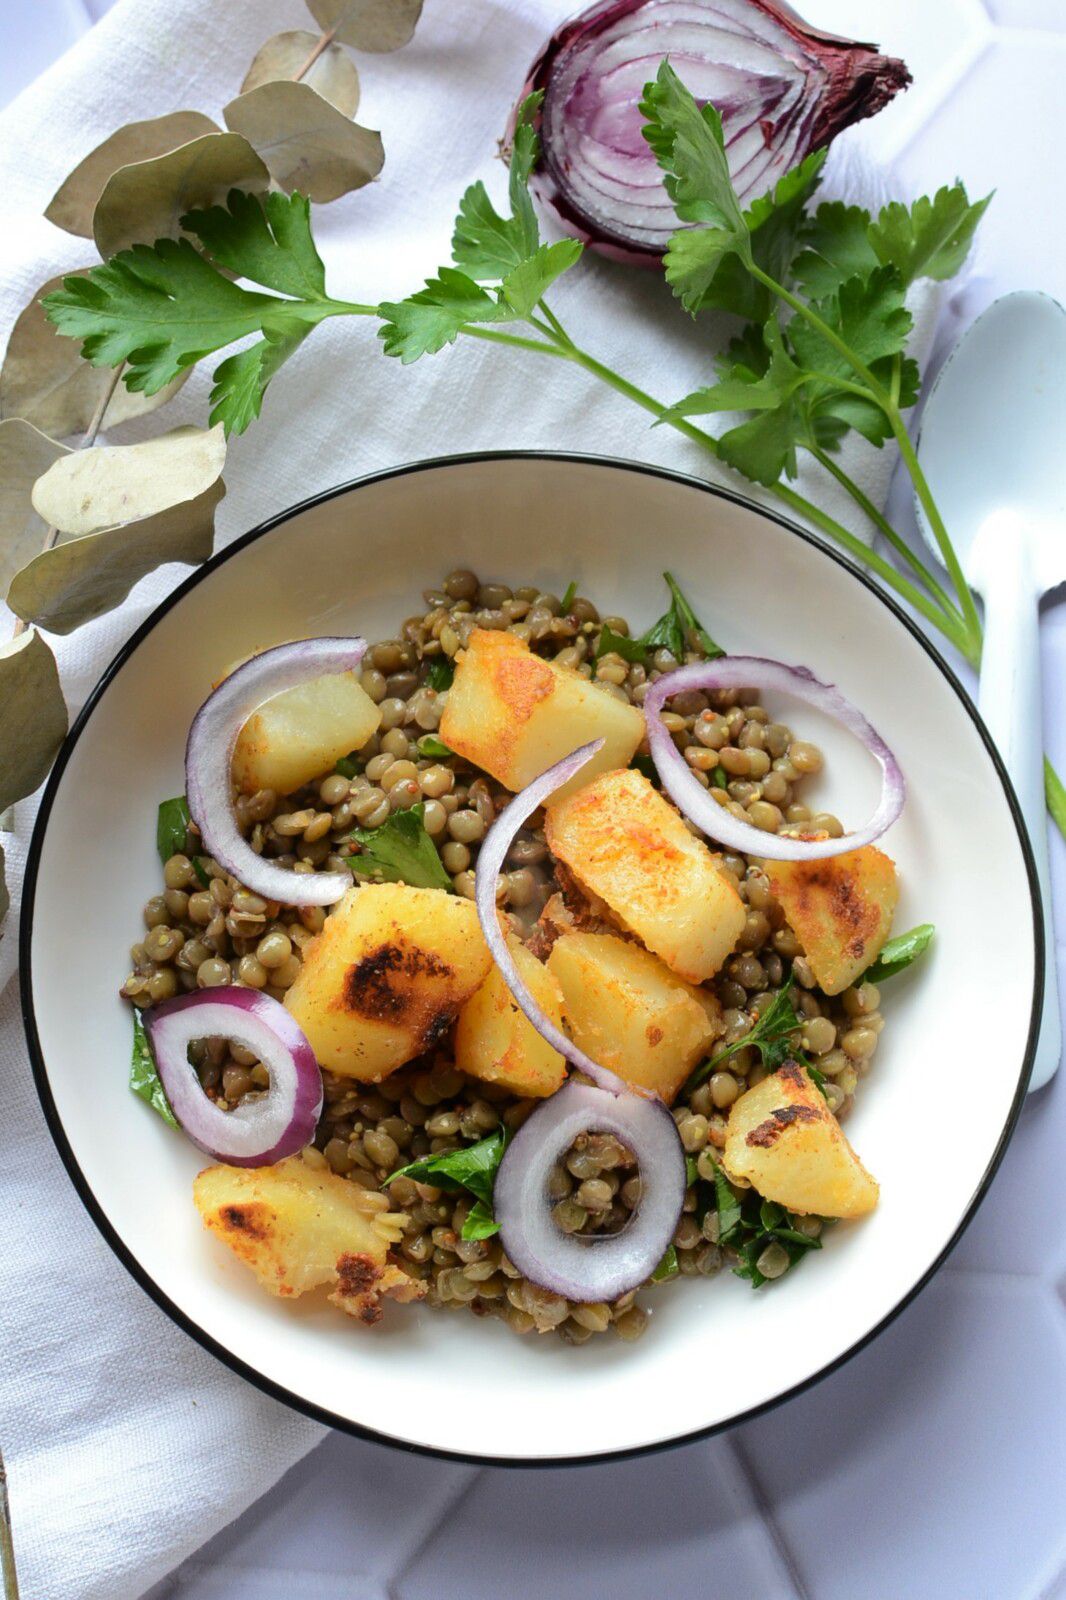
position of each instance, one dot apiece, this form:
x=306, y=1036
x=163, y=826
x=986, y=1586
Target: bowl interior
x=929, y=1119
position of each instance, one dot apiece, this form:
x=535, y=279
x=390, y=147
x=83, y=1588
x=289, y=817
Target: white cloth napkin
x=126, y=1445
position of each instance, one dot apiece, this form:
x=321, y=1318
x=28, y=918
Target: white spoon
x=992, y=446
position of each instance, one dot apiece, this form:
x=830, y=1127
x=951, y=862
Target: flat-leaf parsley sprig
x=822, y=355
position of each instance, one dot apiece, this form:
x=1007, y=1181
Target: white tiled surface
x=933, y=1466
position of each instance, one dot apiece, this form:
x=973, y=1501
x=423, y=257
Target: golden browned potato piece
x=513, y=714
x=303, y=733
x=629, y=1012
x=783, y=1138
x=628, y=845
x=494, y=1040
x=297, y=1226
x=385, y=978
x=840, y=909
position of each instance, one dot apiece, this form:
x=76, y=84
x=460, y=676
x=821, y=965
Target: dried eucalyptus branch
x=7, y=1546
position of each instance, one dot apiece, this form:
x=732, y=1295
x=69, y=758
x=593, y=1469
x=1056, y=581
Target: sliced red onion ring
x=490, y=861
x=209, y=757
x=259, y=1131
x=688, y=794
x=595, y=1268
x=781, y=87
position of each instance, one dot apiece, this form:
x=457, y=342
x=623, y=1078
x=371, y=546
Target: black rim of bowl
x=143, y=1277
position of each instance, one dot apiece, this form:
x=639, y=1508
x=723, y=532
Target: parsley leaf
x=747, y=1224
x=647, y=766
x=401, y=851
x=525, y=284
x=838, y=248
x=771, y=1034
x=433, y=317
x=440, y=673
x=688, y=144
x=162, y=309
x=667, y=1268
x=931, y=238
x=172, y=827
x=677, y=630
x=430, y=745
x=570, y=596
x=349, y=766
x=472, y=1167
x=268, y=241
x=485, y=244
x=899, y=952
x=144, y=1079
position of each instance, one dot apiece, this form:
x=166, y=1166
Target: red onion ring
x=689, y=795
x=490, y=861
x=782, y=89
x=598, y=1268
x=258, y=1132
x=209, y=757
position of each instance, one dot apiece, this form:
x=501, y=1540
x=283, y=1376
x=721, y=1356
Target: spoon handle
x=1010, y=701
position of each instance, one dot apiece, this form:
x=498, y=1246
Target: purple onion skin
x=861, y=82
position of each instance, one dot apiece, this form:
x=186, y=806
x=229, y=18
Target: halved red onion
x=209, y=757
x=781, y=87
x=258, y=1132
x=596, y=1268
x=689, y=795
x=490, y=861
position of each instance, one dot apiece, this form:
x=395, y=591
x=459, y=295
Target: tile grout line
x=451, y=1501
x=783, y=1550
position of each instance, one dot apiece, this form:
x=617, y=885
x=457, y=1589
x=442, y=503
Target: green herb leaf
x=647, y=766
x=268, y=241
x=868, y=314
x=430, y=745
x=570, y=596
x=759, y=1224
x=171, y=828
x=667, y=1268
x=719, y=778
x=433, y=317
x=480, y=1222
x=241, y=380
x=144, y=1079
x=440, y=672
x=818, y=1078
x=838, y=248
x=401, y=851
x=691, y=1171
x=489, y=246
x=728, y=1206
x=774, y=222
x=349, y=766
x=931, y=238
x=771, y=1034
x=899, y=952
x=472, y=1167
x=677, y=630
x=688, y=144
x=525, y=284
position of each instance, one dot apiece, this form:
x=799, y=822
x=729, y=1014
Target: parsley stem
x=881, y=522
x=936, y=522
x=556, y=325
x=1056, y=796
x=822, y=327
x=494, y=336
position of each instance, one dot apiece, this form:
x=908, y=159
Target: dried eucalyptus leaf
x=45, y=379
x=5, y=898
x=33, y=715
x=124, y=510
x=25, y=455
x=306, y=143
x=79, y=579
x=377, y=25
x=333, y=73
x=146, y=201
x=73, y=204
x=92, y=489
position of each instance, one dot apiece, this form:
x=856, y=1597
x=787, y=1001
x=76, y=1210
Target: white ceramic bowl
x=932, y=1119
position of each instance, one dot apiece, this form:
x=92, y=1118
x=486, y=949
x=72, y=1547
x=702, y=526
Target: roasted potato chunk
x=302, y=733
x=386, y=977
x=513, y=714
x=783, y=1138
x=627, y=845
x=494, y=1040
x=297, y=1226
x=629, y=1012
x=840, y=909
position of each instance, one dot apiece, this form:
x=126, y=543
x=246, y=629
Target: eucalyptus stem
x=323, y=42
x=7, y=1547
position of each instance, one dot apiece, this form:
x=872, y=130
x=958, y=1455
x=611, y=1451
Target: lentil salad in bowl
x=403, y=1156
